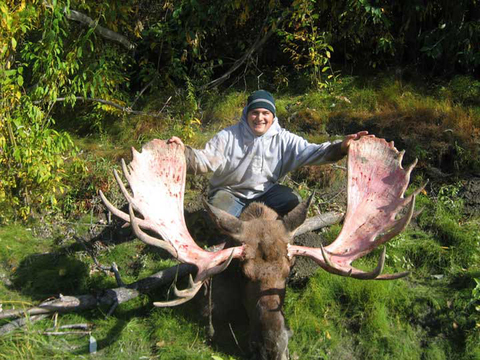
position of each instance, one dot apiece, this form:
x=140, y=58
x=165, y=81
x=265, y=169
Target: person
x=249, y=158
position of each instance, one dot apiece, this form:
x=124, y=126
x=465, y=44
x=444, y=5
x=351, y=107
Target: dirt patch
x=447, y=141
x=471, y=195
x=304, y=267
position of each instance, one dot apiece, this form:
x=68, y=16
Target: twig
x=165, y=105
x=234, y=337
x=256, y=45
x=102, y=31
x=61, y=333
x=211, y=329
x=72, y=326
x=112, y=309
x=334, y=196
x=118, y=278
x=143, y=90
x=319, y=221
x=338, y=167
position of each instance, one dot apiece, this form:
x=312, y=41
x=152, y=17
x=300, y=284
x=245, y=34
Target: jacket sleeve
x=208, y=159
x=298, y=152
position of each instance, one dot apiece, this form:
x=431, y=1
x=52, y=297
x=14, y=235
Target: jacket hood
x=274, y=129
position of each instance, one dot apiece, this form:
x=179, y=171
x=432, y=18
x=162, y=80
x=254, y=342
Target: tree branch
x=12, y=325
x=104, y=32
x=319, y=221
x=127, y=110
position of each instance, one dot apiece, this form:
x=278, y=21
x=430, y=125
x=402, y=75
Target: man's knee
x=227, y=202
x=292, y=199
x=282, y=199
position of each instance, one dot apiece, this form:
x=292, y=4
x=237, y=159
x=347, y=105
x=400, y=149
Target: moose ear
x=226, y=222
x=297, y=216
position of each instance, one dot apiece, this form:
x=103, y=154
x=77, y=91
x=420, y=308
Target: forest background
x=83, y=81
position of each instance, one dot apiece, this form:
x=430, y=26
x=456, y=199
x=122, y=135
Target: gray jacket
x=248, y=165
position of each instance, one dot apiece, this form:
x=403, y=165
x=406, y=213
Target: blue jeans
x=280, y=198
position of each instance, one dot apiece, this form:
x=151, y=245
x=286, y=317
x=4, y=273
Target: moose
x=261, y=241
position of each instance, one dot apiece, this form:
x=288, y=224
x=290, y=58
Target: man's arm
x=201, y=161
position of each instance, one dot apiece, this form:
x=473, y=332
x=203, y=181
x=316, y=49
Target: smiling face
x=260, y=120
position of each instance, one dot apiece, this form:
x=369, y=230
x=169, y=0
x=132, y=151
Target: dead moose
x=264, y=241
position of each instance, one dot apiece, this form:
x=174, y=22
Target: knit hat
x=261, y=99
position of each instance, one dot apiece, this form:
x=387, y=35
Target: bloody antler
x=376, y=185
x=157, y=180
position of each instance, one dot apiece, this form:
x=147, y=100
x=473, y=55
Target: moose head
x=264, y=241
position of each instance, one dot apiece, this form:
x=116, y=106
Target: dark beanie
x=261, y=99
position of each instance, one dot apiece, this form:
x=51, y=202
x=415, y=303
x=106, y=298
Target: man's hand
x=352, y=137
x=176, y=140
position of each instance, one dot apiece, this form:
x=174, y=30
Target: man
x=249, y=158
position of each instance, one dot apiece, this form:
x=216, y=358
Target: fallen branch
x=107, y=297
x=61, y=333
x=319, y=221
x=19, y=323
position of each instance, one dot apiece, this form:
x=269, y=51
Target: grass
x=434, y=314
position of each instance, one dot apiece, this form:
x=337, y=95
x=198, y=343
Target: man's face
x=260, y=120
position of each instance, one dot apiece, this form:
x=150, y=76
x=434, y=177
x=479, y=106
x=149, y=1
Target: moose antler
x=376, y=184
x=157, y=180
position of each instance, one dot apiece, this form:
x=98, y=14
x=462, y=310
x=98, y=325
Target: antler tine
x=358, y=274
x=376, y=272
x=150, y=240
x=189, y=294
x=219, y=268
x=188, y=291
x=410, y=167
x=330, y=267
x=122, y=215
x=393, y=276
x=400, y=225
x=122, y=187
x=310, y=199
x=125, y=170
